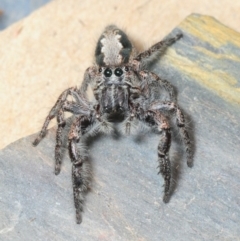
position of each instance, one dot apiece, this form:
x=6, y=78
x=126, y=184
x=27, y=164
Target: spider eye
x=108, y=72
x=100, y=70
x=118, y=72
x=126, y=68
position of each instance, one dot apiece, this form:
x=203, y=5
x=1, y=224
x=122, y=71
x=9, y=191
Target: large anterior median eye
x=108, y=72
x=118, y=72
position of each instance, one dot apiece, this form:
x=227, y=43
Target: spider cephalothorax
x=122, y=86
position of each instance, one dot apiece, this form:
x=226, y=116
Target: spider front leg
x=80, y=167
x=151, y=83
x=89, y=75
x=156, y=118
x=53, y=113
x=172, y=107
x=149, y=56
x=164, y=162
x=56, y=111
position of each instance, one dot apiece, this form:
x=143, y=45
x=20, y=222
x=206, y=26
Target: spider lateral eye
x=118, y=72
x=100, y=70
x=108, y=72
x=126, y=68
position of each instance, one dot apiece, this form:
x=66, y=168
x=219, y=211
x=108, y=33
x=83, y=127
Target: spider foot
x=190, y=162
x=167, y=191
x=166, y=197
x=37, y=140
x=178, y=36
x=57, y=169
x=189, y=154
x=78, y=217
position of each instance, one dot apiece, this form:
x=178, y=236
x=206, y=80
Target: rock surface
x=125, y=202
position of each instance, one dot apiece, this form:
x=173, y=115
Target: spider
x=124, y=91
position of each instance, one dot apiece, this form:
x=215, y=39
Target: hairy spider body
x=122, y=86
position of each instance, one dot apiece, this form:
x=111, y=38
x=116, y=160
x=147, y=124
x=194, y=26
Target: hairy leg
x=77, y=107
x=53, y=113
x=152, y=83
x=172, y=107
x=153, y=52
x=59, y=141
x=161, y=122
x=164, y=162
x=80, y=167
x=128, y=124
x=89, y=75
x=81, y=177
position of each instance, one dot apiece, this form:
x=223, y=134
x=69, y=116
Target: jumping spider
x=122, y=85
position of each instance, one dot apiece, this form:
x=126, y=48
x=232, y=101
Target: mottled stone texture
x=125, y=202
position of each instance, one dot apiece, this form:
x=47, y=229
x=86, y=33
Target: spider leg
x=151, y=83
x=59, y=141
x=80, y=167
x=155, y=118
x=88, y=77
x=164, y=162
x=79, y=106
x=53, y=113
x=150, y=55
x=56, y=111
x=172, y=107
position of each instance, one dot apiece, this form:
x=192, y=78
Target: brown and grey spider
x=124, y=90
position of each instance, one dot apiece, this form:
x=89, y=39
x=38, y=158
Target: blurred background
x=13, y=10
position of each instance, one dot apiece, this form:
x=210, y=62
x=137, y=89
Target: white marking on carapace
x=111, y=48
